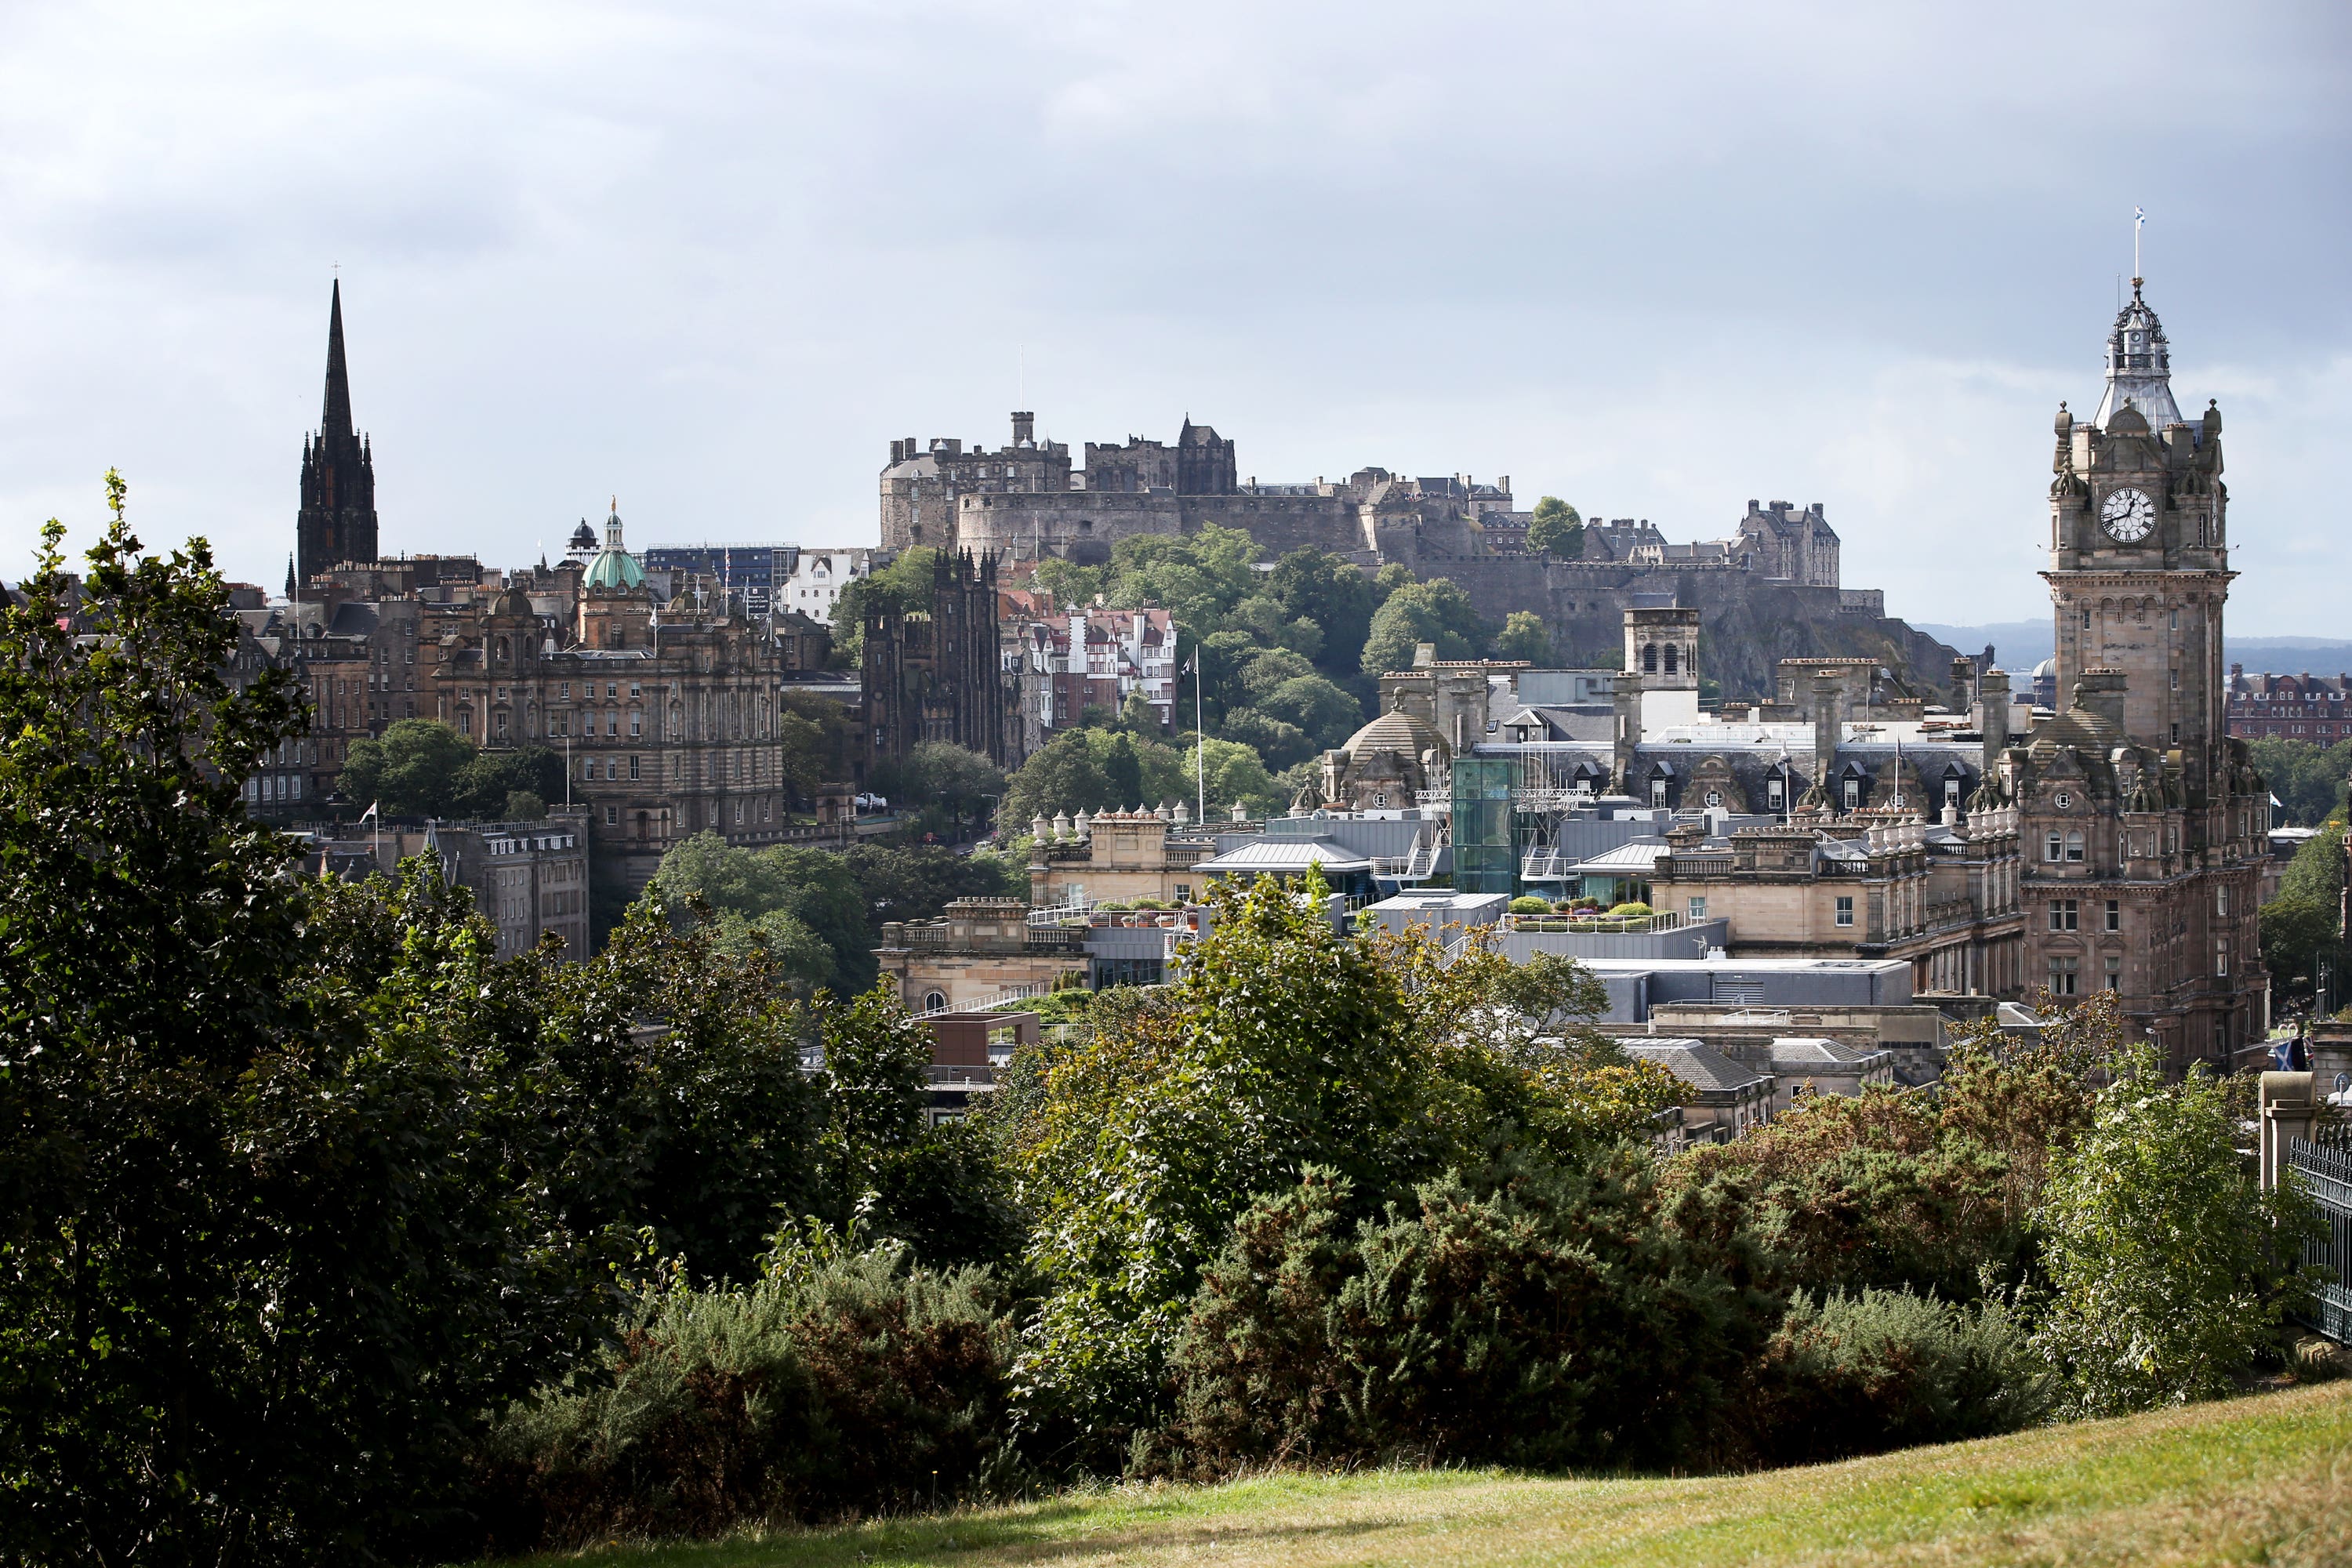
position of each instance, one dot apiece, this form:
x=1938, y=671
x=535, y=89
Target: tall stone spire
x=2139, y=367
x=335, y=417
x=337, y=519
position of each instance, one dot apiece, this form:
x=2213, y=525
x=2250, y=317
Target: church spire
x=335, y=418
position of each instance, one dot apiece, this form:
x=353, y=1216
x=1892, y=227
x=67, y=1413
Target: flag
x=369, y=812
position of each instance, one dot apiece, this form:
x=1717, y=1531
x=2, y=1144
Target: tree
x=2309, y=780
x=1067, y=583
x=1437, y=611
x=1281, y=744
x=1336, y=597
x=902, y=586
x=1198, y=577
x=1064, y=776
x=413, y=770
x=1524, y=636
x=275, y=1237
x=1232, y=772
x=960, y=778
x=1556, y=530
x=1261, y=671
x=2168, y=1268
x=1323, y=712
x=1284, y=1044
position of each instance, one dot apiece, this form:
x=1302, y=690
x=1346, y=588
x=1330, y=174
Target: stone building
x=337, y=518
x=667, y=716
x=2144, y=827
x=2306, y=707
x=1117, y=857
x=938, y=674
x=1773, y=581
x=530, y=879
x=978, y=953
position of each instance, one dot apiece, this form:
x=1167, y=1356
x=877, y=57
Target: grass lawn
x=2266, y=1479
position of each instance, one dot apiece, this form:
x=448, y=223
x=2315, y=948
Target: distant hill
x=2021, y=645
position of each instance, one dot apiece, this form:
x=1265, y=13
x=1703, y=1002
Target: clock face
x=2128, y=517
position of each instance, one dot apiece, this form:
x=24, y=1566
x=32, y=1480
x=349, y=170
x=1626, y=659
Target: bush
x=1886, y=1369
x=1529, y=905
x=1548, y=1322
x=2168, y=1268
x=840, y=1380
x=1632, y=910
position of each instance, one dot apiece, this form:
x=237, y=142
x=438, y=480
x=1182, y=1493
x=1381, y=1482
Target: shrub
x=1886, y=1369
x=840, y=1380
x=1527, y=904
x=2167, y=1267
x=1849, y=1192
x=1632, y=910
x=1549, y=1320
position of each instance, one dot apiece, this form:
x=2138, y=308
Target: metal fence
x=2325, y=1163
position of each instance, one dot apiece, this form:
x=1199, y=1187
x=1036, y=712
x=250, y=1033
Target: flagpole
x=1199, y=743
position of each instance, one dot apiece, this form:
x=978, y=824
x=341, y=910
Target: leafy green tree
x=1283, y=1045
x=903, y=586
x=273, y=1240
x=1524, y=636
x=815, y=735
x=524, y=806
x=413, y=770
x=1123, y=771
x=2166, y=1264
x=960, y=780
x=1556, y=530
x=1198, y=577
x=1336, y=597
x=488, y=779
x=815, y=888
x=2315, y=875
x=1282, y=744
x=1070, y=583
x=2297, y=933
x=1065, y=775
x=1323, y=712
x=1437, y=611
x=2309, y=780
x=1263, y=670
x=1233, y=772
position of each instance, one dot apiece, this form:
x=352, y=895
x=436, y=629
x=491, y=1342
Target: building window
x=1697, y=909
x=1853, y=794
x=2053, y=849
x=2074, y=845
x=2115, y=915
x=2063, y=915
x=1658, y=793
x=1773, y=793
x=465, y=721
x=634, y=762
x=935, y=1001
x=2221, y=956
x=636, y=724
x=2115, y=972
x=2222, y=900
x=2064, y=976
x=500, y=722
x=1845, y=909
x=2176, y=734
x=612, y=816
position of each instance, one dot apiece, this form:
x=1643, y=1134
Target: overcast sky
x=1656, y=260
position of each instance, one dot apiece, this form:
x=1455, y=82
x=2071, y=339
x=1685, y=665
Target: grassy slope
x=2263, y=1479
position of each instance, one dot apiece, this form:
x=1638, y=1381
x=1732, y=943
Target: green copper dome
x=614, y=569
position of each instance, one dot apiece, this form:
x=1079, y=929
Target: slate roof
x=1696, y=1063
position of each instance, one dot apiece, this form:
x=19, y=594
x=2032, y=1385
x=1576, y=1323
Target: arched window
x=502, y=650
x=1670, y=658
x=677, y=721
x=1649, y=658
x=2055, y=848
x=934, y=1001
x=2075, y=843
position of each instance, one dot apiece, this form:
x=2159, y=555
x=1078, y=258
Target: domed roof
x=1395, y=730
x=513, y=602
x=614, y=569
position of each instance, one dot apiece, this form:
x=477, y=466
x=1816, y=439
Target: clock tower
x=2140, y=554
x=2143, y=826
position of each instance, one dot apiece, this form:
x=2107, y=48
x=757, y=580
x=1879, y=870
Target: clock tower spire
x=2139, y=557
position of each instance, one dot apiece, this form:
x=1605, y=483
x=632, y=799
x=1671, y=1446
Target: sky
x=713, y=258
